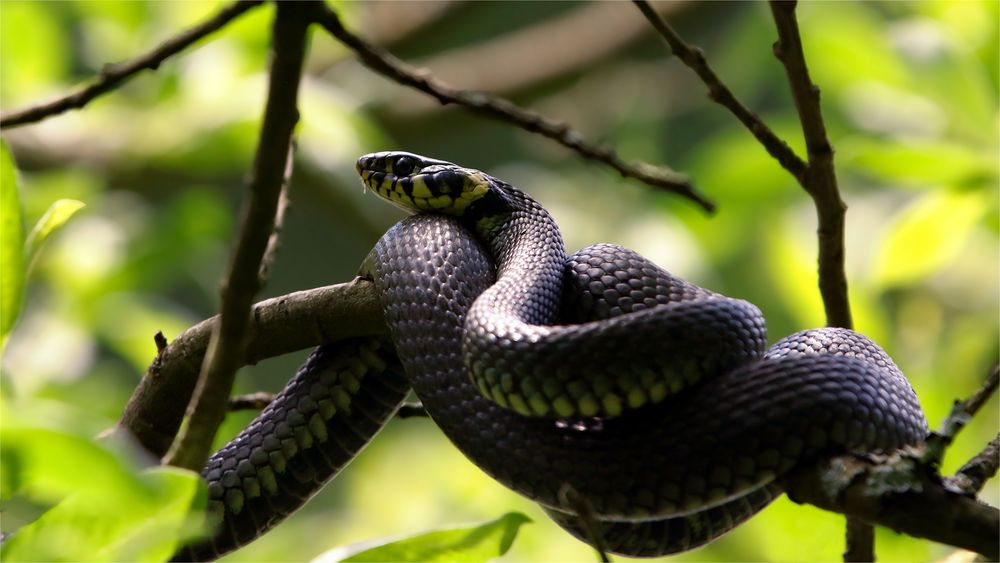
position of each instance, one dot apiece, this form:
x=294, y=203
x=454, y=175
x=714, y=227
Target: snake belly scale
x=654, y=400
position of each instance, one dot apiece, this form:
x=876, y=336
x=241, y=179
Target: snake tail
x=340, y=398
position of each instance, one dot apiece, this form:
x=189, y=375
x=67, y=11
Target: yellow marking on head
x=420, y=188
x=441, y=202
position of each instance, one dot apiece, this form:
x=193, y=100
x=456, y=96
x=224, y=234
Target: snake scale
x=598, y=377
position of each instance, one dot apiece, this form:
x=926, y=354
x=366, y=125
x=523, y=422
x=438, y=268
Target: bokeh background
x=910, y=95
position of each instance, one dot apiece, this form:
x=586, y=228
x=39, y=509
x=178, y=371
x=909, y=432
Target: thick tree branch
x=277, y=326
x=396, y=70
x=898, y=492
x=820, y=179
x=114, y=75
x=242, y=282
x=719, y=93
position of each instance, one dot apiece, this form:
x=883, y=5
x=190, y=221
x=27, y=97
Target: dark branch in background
x=719, y=93
x=113, y=75
x=277, y=326
x=820, y=179
x=250, y=401
x=396, y=70
x=242, y=282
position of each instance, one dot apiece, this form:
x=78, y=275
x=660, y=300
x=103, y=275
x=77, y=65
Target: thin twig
x=113, y=75
x=820, y=179
x=961, y=413
x=160, y=341
x=208, y=405
x=250, y=401
x=273, y=242
x=981, y=468
x=277, y=326
x=384, y=63
x=719, y=93
x=587, y=520
x=979, y=398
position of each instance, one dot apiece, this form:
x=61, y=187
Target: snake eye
x=403, y=166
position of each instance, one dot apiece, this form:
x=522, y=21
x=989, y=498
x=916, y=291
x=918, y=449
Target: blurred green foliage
x=461, y=544
x=910, y=98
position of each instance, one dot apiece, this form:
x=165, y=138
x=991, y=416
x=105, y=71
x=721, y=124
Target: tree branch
x=719, y=93
x=820, y=179
x=904, y=492
x=114, y=75
x=277, y=326
x=483, y=103
x=961, y=413
x=898, y=492
x=274, y=241
x=820, y=182
x=227, y=348
x=971, y=478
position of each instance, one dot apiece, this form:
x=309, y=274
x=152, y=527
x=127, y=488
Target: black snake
x=598, y=377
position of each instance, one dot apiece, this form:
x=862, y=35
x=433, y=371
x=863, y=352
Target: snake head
x=417, y=184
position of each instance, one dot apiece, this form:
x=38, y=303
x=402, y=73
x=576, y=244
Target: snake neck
x=528, y=251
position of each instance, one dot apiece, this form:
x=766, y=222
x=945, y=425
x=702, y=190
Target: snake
x=645, y=414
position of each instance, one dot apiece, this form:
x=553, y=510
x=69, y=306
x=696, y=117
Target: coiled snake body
x=599, y=377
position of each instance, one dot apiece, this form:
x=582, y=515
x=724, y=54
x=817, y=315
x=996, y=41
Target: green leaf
x=50, y=465
x=12, y=273
x=55, y=217
x=118, y=526
x=924, y=237
x=106, y=507
x=468, y=543
x=924, y=164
